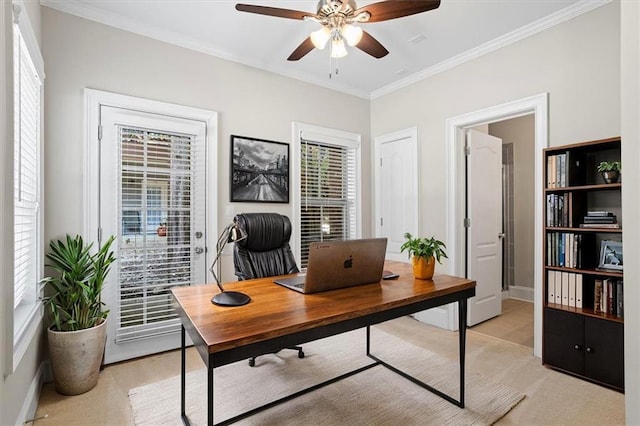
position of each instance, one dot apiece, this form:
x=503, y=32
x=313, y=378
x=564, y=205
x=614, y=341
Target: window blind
x=27, y=111
x=155, y=244
x=328, y=194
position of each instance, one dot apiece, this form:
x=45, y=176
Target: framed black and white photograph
x=259, y=170
x=611, y=255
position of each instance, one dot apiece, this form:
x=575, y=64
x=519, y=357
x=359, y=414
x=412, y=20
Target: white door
x=152, y=198
x=484, y=203
x=396, y=189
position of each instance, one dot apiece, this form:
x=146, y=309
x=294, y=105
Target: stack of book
x=600, y=219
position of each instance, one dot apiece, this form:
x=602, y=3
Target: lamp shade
x=338, y=49
x=352, y=34
x=321, y=37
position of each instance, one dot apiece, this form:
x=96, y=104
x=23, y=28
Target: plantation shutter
x=27, y=111
x=328, y=194
x=157, y=173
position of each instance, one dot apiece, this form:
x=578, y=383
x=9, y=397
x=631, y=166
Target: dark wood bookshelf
x=582, y=341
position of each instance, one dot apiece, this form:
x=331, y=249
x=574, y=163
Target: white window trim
x=27, y=317
x=328, y=136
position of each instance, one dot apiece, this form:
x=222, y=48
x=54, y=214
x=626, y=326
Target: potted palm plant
x=424, y=252
x=72, y=298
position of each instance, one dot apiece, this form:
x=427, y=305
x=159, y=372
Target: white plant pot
x=76, y=357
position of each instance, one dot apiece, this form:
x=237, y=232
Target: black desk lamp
x=231, y=233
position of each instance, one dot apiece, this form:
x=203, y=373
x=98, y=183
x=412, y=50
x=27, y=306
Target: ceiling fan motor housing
x=331, y=7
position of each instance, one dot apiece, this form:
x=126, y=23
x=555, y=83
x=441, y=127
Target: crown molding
x=533, y=28
x=83, y=10
x=86, y=11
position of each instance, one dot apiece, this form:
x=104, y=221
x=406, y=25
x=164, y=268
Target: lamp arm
x=220, y=245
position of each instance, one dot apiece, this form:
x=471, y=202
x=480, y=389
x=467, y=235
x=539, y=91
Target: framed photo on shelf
x=259, y=170
x=611, y=258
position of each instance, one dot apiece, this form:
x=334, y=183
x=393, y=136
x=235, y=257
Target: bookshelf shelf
x=583, y=314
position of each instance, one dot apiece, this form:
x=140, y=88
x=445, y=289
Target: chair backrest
x=266, y=251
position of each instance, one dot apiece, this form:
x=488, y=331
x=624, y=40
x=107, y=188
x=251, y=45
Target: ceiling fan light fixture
x=351, y=34
x=338, y=49
x=321, y=37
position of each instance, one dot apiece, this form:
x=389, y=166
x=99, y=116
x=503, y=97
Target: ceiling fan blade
x=391, y=9
x=273, y=11
x=370, y=45
x=305, y=47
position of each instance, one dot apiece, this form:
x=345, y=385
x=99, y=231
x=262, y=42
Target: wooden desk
x=278, y=317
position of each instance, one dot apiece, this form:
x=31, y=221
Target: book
x=619, y=299
x=601, y=225
x=599, y=213
x=597, y=296
x=599, y=219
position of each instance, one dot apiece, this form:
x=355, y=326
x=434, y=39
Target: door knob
x=199, y=250
x=501, y=235
x=577, y=347
x=589, y=350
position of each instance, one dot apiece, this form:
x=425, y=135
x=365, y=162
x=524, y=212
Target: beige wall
x=630, y=69
x=80, y=53
x=576, y=62
x=520, y=132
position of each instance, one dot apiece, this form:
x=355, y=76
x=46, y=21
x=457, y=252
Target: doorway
x=456, y=127
x=516, y=187
x=147, y=186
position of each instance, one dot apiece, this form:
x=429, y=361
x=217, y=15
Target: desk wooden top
x=276, y=311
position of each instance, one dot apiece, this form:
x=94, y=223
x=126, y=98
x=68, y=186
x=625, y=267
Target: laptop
x=340, y=264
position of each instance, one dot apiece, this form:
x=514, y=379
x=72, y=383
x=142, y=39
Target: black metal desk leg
x=183, y=374
x=210, y=392
x=462, y=332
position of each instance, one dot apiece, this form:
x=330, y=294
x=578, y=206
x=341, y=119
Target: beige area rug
x=374, y=397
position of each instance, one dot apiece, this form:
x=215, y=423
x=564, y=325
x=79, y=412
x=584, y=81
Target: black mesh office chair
x=265, y=252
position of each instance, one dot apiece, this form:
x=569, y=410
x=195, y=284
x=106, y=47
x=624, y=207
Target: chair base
x=252, y=360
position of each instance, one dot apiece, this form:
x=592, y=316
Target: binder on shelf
x=558, y=287
x=565, y=288
x=579, y=293
x=572, y=290
x=551, y=287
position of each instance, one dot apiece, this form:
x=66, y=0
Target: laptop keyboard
x=300, y=285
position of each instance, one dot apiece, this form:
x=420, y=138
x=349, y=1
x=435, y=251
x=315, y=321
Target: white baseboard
x=30, y=404
x=521, y=293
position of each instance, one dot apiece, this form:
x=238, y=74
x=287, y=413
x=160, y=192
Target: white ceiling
x=455, y=32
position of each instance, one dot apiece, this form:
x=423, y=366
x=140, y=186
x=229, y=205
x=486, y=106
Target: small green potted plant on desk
x=424, y=252
x=610, y=171
x=72, y=297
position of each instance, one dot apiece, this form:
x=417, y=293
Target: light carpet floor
x=374, y=397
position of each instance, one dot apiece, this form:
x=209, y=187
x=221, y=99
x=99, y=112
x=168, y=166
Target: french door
x=152, y=198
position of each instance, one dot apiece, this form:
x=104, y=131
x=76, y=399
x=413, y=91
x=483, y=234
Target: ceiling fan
x=337, y=18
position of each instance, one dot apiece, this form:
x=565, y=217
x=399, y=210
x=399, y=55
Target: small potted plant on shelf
x=72, y=297
x=424, y=252
x=610, y=170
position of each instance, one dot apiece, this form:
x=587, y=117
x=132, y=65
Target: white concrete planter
x=76, y=357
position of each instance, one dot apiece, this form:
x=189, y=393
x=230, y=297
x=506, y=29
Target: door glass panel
x=155, y=236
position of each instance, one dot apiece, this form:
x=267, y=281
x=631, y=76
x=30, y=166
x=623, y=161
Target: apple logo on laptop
x=348, y=263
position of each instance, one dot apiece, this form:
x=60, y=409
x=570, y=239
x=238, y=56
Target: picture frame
x=259, y=170
x=611, y=255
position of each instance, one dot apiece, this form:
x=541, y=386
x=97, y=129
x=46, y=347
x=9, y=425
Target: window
x=328, y=206
x=27, y=166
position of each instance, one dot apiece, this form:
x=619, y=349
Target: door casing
x=455, y=140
